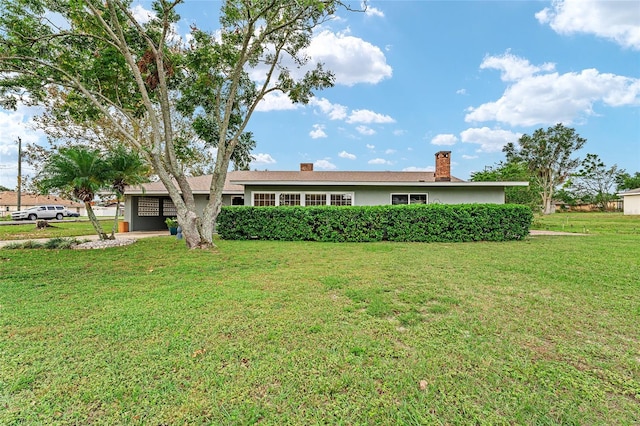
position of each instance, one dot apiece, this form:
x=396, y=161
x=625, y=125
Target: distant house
x=9, y=202
x=631, y=201
x=147, y=206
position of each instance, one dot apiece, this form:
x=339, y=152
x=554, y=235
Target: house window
x=341, y=199
x=289, y=199
x=301, y=199
x=315, y=199
x=262, y=199
x=418, y=199
x=397, y=199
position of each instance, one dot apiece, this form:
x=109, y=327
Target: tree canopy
x=626, y=181
x=76, y=172
x=98, y=67
x=594, y=182
x=548, y=155
x=511, y=171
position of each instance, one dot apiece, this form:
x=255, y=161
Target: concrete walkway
x=535, y=232
x=119, y=236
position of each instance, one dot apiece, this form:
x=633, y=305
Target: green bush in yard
x=421, y=223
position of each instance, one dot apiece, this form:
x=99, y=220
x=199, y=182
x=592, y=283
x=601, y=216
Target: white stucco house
x=631, y=201
x=148, y=206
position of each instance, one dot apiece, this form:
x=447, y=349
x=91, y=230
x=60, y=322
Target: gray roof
x=236, y=180
x=199, y=185
x=320, y=177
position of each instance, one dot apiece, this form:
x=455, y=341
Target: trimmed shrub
x=422, y=223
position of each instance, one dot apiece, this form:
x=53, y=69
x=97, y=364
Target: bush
x=425, y=223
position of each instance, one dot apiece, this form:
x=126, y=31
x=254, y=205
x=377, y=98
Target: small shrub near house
x=420, y=223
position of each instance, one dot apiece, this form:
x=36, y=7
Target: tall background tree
x=109, y=70
x=512, y=171
x=626, y=181
x=548, y=155
x=594, y=182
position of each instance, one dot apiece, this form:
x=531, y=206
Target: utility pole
x=19, y=173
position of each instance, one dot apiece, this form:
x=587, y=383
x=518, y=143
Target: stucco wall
x=375, y=196
x=631, y=204
x=363, y=196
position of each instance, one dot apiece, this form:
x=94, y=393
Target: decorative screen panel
x=148, y=206
x=168, y=208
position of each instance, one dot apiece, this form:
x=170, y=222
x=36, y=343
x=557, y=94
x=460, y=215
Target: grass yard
x=70, y=228
x=588, y=223
x=542, y=331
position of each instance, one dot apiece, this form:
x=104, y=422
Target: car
x=49, y=211
x=73, y=214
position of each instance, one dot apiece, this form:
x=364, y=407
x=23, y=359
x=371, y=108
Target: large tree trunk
x=190, y=224
x=547, y=198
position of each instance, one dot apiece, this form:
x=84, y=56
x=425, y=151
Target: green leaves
x=548, y=156
x=416, y=223
x=75, y=170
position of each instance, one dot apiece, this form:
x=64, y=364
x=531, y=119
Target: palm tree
x=76, y=171
x=126, y=168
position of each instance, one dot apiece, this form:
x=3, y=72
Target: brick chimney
x=306, y=167
x=443, y=166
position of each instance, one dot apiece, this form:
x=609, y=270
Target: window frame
x=408, y=195
x=303, y=195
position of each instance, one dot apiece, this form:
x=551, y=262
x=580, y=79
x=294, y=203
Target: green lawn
x=66, y=228
x=589, y=223
x=542, y=331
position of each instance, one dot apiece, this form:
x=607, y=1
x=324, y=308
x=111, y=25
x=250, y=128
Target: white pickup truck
x=49, y=211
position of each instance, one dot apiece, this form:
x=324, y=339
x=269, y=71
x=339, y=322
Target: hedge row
x=425, y=223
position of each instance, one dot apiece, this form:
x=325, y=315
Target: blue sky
x=416, y=77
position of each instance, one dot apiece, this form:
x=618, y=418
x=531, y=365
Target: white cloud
x=317, y=132
x=351, y=59
x=324, y=165
x=490, y=140
x=276, y=101
x=418, y=169
x=379, y=161
x=372, y=11
x=369, y=146
x=366, y=116
x=364, y=130
x=461, y=92
x=399, y=132
x=614, y=20
x=390, y=151
x=535, y=97
x=513, y=67
x=141, y=14
x=334, y=111
x=444, y=140
x=469, y=157
x=345, y=154
x=262, y=159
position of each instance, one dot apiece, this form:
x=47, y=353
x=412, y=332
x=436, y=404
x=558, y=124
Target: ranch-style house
x=149, y=205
